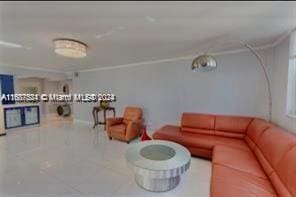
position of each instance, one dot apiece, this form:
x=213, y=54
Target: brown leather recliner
x=127, y=127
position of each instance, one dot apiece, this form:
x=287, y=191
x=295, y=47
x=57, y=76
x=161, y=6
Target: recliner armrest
x=133, y=128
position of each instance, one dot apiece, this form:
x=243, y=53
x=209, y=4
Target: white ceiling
x=120, y=33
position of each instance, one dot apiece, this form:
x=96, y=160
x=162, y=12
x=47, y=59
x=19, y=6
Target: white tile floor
x=72, y=159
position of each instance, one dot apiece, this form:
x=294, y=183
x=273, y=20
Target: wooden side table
x=96, y=111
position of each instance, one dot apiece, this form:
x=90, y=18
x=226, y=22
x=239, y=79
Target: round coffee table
x=158, y=164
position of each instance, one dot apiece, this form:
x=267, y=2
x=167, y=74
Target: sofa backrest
x=275, y=150
x=255, y=130
x=198, y=123
x=220, y=125
x=232, y=126
x=286, y=169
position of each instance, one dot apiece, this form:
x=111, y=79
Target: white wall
x=20, y=83
x=279, y=86
x=50, y=87
x=46, y=81
x=166, y=90
x=23, y=72
x=54, y=87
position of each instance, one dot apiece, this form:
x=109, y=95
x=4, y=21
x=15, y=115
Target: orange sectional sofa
x=251, y=157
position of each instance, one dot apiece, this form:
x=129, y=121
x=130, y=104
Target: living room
x=191, y=98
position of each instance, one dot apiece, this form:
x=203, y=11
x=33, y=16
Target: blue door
x=7, y=87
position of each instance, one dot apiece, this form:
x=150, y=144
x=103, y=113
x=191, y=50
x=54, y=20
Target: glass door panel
x=13, y=117
x=31, y=115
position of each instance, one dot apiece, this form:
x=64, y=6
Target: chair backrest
x=132, y=113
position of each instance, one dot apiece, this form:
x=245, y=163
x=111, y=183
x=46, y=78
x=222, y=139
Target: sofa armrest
x=168, y=132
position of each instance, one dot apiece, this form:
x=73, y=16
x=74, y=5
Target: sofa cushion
x=268, y=169
x=274, y=143
x=230, y=134
x=273, y=148
x=209, y=141
x=233, y=183
x=255, y=130
x=195, y=130
x=197, y=143
x=239, y=159
x=279, y=186
x=198, y=121
x=231, y=126
x=286, y=170
x=200, y=152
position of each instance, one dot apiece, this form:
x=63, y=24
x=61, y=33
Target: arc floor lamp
x=207, y=62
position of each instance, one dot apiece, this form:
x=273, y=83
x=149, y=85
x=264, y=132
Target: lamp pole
x=263, y=66
x=207, y=63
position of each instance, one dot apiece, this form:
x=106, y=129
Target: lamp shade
x=204, y=63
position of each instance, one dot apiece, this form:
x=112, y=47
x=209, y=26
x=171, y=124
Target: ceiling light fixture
x=70, y=48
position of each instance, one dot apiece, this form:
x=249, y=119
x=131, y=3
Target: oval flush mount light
x=70, y=48
x=204, y=63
